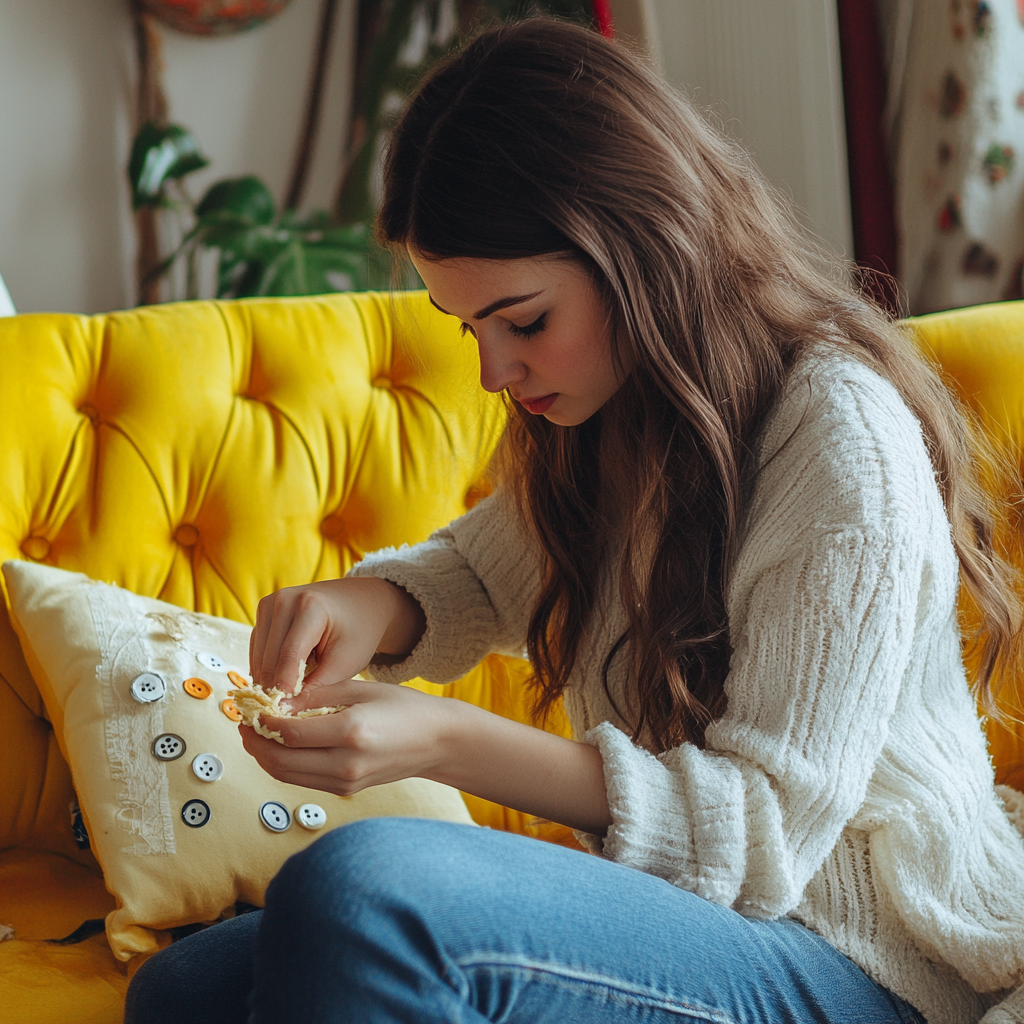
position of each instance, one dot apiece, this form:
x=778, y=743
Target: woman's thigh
x=412, y=920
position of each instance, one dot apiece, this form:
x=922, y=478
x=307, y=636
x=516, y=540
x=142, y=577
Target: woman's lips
x=539, y=406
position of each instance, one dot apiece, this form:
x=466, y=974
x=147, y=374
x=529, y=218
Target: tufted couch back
x=209, y=453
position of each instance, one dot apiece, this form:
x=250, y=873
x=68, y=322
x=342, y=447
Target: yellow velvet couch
x=209, y=453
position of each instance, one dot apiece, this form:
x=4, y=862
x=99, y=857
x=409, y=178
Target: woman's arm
x=387, y=733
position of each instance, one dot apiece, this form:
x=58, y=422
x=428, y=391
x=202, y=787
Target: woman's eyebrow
x=483, y=314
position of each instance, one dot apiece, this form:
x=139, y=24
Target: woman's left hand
x=385, y=733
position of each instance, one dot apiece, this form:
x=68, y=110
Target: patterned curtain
x=955, y=118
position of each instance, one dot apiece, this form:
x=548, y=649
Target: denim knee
x=363, y=857
x=342, y=859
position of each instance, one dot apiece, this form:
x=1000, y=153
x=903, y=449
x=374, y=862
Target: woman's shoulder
x=830, y=393
x=841, y=449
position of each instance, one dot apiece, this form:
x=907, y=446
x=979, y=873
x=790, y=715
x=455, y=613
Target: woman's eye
x=530, y=329
x=464, y=328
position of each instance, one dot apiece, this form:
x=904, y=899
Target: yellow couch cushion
x=980, y=351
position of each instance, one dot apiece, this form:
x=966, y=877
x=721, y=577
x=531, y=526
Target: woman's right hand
x=344, y=622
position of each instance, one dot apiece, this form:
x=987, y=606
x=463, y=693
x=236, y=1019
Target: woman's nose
x=499, y=367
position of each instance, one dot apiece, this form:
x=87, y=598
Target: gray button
x=208, y=660
x=311, y=816
x=168, y=747
x=196, y=813
x=148, y=687
x=275, y=816
x=208, y=767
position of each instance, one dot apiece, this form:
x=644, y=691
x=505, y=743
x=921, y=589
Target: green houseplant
x=263, y=249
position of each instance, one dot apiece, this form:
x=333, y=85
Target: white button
x=195, y=813
x=168, y=747
x=148, y=687
x=208, y=767
x=275, y=816
x=311, y=816
x=208, y=660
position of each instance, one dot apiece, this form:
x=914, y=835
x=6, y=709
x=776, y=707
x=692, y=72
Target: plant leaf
x=245, y=201
x=159, y=154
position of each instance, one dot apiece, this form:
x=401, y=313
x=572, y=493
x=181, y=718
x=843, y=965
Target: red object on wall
x=871, y=191
x=214, y=17
x=603, y=17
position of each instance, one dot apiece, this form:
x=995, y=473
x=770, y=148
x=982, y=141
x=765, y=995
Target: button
x=198, y=688
x=230, y=708
x=238, y=679
x=148, y=687
x=36, y=548
x=187, y=535
x=196, y=813
x=208, y=767
x=311, y=816
x=168, y=747
x=208, y=660
x=275, y=816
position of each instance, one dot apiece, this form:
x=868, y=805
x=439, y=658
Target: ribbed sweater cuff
x=662, y=820
x=460, y=620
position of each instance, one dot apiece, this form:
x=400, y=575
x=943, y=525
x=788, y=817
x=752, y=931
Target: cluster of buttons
x=278, y=819
x=208, y=767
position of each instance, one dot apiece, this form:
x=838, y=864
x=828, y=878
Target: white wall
x=771, y=71
x=769, y=67
x=66, y=85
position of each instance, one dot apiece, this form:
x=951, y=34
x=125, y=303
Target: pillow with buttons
x=182, y=820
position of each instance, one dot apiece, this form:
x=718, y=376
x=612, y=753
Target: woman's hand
x=389, y=732
x=345, y=622
x=385, y=733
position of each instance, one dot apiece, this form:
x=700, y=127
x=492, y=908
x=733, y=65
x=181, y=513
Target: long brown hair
x=541, y=138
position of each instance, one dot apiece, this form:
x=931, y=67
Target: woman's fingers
x=339, y=619
x=335, y=769
x=297, y=624
x=258, y=637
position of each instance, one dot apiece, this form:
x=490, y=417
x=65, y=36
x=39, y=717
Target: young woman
x=732, y=513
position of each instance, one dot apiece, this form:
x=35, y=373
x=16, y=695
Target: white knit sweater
x=848, y=784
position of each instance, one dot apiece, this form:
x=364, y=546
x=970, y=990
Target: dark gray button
x=195, y=813
x=168, y=747
x=275, y=816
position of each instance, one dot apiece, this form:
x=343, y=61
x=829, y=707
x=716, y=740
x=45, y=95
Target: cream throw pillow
x=178, y=840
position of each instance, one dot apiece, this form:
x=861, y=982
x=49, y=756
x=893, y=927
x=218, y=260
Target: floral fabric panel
x=957, y=112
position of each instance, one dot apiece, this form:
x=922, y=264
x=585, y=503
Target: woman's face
x=540, y=326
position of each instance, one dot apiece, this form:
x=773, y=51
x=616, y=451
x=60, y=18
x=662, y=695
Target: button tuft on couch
x=332, y=526
x=186, y=535
x=36, y=548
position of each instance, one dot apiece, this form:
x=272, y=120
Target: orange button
x=237, y=679
x=230, y=708
x=198, y=688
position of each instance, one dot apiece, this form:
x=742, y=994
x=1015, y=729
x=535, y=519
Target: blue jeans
x=400, y=919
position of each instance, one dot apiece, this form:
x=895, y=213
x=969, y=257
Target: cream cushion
x=86, y=643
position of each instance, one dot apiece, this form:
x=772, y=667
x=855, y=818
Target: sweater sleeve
x=820, y=646
x=476, y=580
